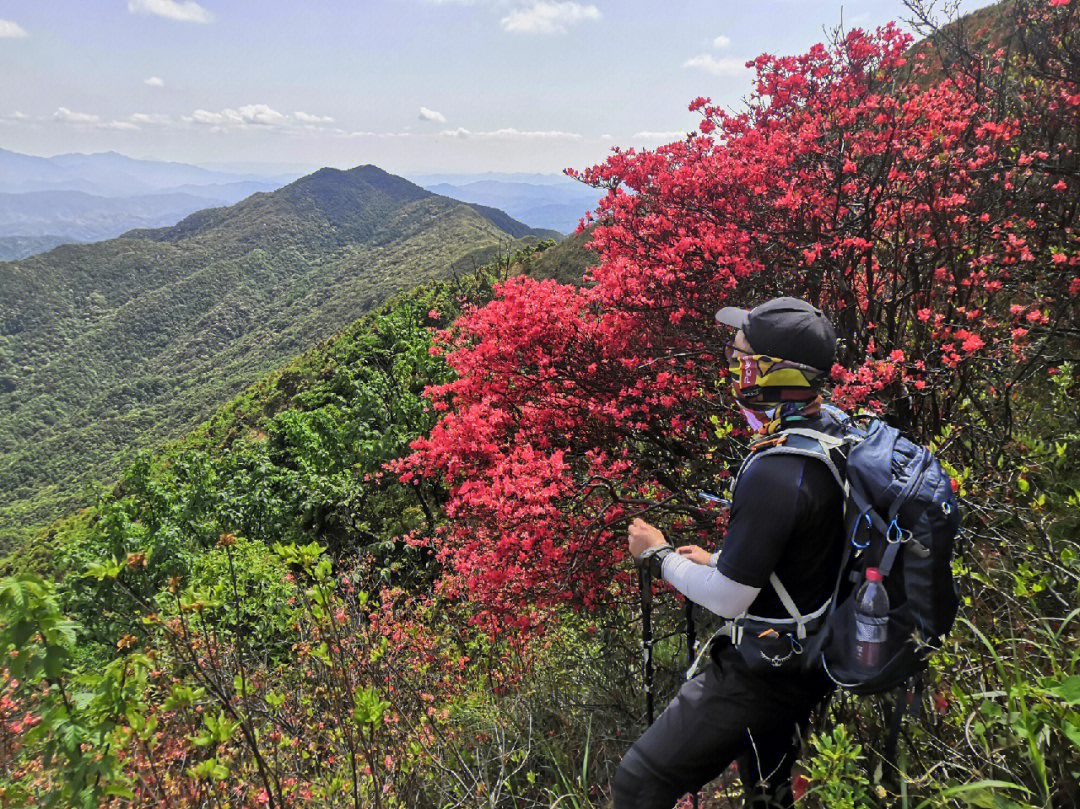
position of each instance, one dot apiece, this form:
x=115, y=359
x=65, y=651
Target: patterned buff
x=772, y=391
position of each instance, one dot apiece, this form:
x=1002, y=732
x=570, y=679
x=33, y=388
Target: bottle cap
x=873, y=574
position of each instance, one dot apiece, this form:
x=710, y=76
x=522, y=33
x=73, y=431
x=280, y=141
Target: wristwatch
x=653, y=559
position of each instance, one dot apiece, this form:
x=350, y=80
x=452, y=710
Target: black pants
x=724, y=714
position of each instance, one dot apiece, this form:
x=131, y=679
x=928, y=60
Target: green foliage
x=216, y=730
x=566, y=262
x=262, y=592
x=297, y=458
x=369, y=708
x=81, y=713
x=837, y=775
x=32, y=625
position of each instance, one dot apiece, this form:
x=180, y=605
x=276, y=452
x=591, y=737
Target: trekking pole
x=691, y=642
x=691, y=633
x=645, y=585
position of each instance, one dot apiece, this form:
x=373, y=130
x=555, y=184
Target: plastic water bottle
x=871, y=621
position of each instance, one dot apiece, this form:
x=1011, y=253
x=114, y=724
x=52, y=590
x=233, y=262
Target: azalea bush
x=906, y=212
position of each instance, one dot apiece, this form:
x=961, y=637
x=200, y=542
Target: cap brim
x=732, y=316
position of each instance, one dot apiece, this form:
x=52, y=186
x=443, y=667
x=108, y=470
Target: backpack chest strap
x=797, y=618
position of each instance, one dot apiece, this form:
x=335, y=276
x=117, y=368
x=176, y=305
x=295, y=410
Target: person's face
x=743, y=348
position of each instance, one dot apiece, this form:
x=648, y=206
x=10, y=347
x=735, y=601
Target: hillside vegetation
x=116, y=345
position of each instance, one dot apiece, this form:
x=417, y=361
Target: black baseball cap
x=787, y=328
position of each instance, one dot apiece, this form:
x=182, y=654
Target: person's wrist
x=653, y=558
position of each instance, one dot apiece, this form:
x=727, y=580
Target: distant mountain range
x=111, y=174
x=543, y=201
x=115, y=345
x=48, y=201
x=40, y=220
x=532, y=178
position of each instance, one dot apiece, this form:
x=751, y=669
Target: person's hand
x=644, y=536
x=695, y=553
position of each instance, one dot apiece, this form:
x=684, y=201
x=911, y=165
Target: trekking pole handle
x=645, y=582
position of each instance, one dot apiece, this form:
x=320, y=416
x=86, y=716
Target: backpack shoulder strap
x=799, y=441
x=812, y=444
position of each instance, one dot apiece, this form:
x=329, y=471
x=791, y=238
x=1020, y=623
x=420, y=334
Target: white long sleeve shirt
x=707, y=586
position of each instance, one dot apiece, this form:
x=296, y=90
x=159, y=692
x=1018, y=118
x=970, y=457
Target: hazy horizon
x=413, y=86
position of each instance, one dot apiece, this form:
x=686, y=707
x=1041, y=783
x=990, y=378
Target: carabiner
x=855, y=531
x=899, y=533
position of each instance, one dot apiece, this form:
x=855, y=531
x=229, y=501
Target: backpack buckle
x=768, y=443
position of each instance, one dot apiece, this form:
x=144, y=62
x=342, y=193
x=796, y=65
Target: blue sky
x=411, y=85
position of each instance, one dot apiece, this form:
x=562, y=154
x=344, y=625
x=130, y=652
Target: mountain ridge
x=110, y=346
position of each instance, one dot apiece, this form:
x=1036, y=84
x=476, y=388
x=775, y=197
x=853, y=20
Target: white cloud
x=207, y=117
x=724, y=66
x=87, y=120
x=155, y=81
x=510, y=132
x=668, y=136
x=313, y=119
x=69, y=117
x=180, y=10
x=721, y=42
x=548, y=17
x=431, y=115
x=261, y=115
x=250, y=115
x=11, y=30
x=152, y=119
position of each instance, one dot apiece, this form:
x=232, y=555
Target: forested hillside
x=115, y=345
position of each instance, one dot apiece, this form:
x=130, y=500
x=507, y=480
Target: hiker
x=783, y=544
